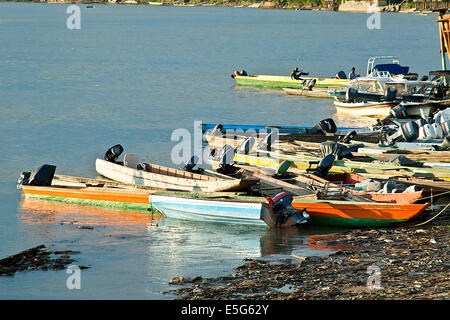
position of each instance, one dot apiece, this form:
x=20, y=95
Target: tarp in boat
x=399, y=160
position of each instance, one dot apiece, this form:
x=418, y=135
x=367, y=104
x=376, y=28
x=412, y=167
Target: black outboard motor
x=281, y=204
x=190, y=165
x=332, y=147
x=113, y=153
x=391, y=94
x=348, y=137
x=266, y=143
x=226, y=160
x=341, y=75
x=217, y=131
x=324, y=166
x=325, y=126
x=408, y=131
x=41, y=176
x=354, y=95
x=246, y=146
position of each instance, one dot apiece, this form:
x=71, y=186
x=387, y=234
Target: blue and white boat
x=210, y=210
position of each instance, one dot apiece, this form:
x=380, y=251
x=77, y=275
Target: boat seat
x=131, y=160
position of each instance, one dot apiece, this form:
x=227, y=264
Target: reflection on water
x=47, y=215
x=36, y=211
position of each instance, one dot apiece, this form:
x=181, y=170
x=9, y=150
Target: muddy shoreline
x=401, y=263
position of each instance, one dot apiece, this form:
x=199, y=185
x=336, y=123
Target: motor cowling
x=266, y=143
x=325, y=126
x=246, y=146
x=41, y=176
x=217, y=130
x=325, y=166
x=408, y=131
x=281, y=204
x=113, y=153
x=349, y=136
x=398, y=112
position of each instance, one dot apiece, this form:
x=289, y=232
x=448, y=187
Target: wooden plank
x=277, y=183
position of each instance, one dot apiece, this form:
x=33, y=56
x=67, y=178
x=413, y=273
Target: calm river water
x=132, y=75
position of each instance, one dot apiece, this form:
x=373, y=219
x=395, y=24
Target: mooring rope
x=420, y=224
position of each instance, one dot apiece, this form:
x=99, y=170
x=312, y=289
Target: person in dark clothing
x=296, y=74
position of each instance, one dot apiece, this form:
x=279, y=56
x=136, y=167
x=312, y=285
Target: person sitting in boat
x=296, y=74
x=239, y=73
x=352, y=75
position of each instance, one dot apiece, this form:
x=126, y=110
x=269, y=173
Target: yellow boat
x=280, y=82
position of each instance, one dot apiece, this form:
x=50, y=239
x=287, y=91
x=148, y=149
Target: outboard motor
x=281, y=204
x=332, y=147
x=324, y=166
x=353, y=95
x=41, y=176
x=444, y=146
x=246, y=146
x=325, y=126
x=190, y=165
x=427, y=132
x=226, y=159
x=309, y=84
x=266, y=143
x=445, y=126
x=391, y=94
x=348, y=137
x=408, y=131
x=113, y=153
x=282, y=168
x=217, y=131
x=398, y=112
x=341, y=75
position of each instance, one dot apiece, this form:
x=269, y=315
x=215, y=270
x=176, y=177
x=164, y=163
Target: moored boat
x=280, y=82
x=359, y=214
x=240, y=209
x=369, y=108
x=330, y=92
x=132, y=172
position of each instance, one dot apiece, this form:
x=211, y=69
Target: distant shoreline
x=237, y=3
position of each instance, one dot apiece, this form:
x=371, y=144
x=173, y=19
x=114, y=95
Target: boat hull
x=163, y=178
x=280, y=82
x=241, y=210
x=368, y=109
x=314, y=93
x=210, y=210
x=354, y=214
x=117, y=198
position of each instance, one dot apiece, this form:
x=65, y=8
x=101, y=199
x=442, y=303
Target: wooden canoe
x=164, y=178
